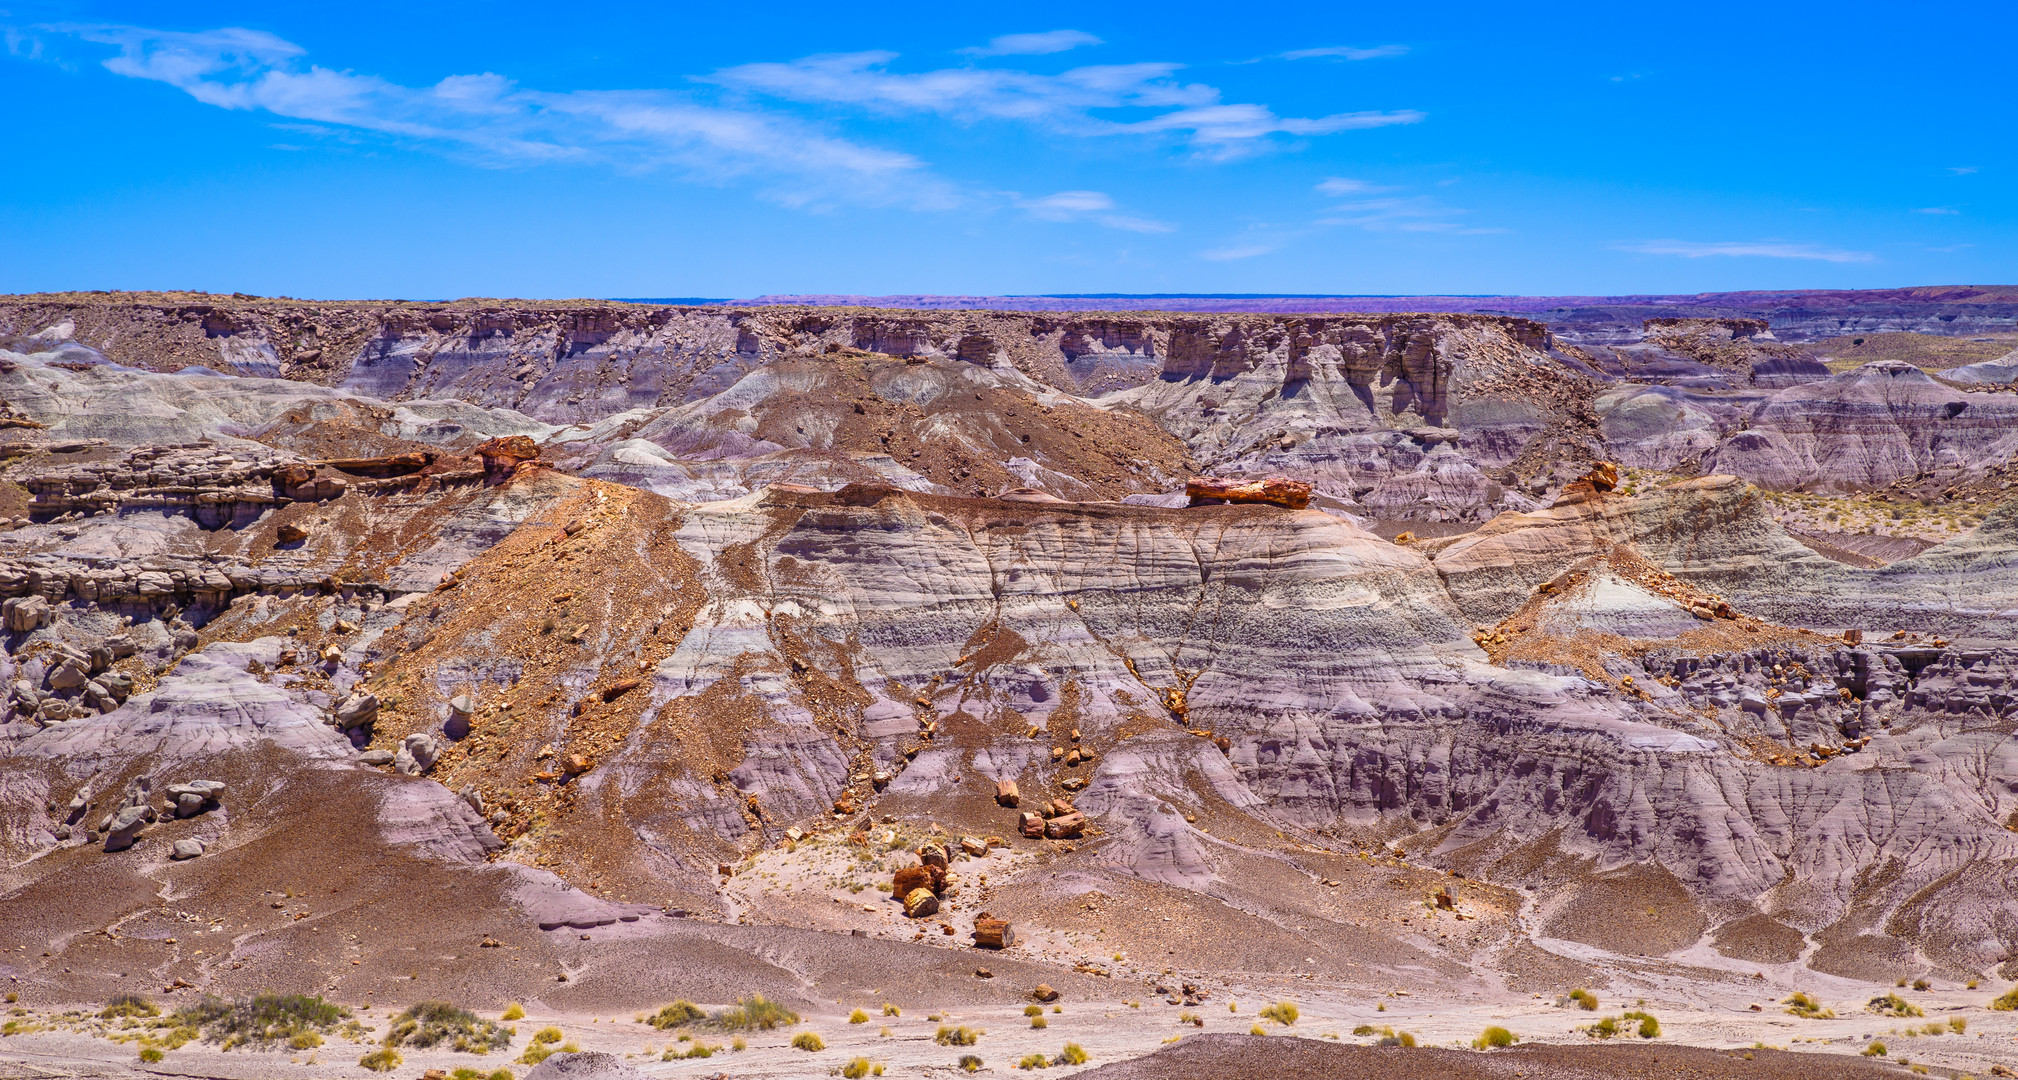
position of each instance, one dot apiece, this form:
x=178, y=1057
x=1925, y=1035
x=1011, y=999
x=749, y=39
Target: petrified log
x=1006, y=794
x=1274, y=490
x=993, y=934
x=909, y=880
x=1065, y=826
x=920, y=903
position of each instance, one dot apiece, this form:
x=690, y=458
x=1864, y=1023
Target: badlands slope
x=595, y=657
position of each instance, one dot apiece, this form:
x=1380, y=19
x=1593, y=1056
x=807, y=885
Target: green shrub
x=548, y=1035
x=1257, y=1030
x=1603, y=1029
x=262, y=1020
x=1584, y=999
x=956, y=1036
x=431, y=1023
x=857, y=1068
x=1876, y=1049
x=1033, y=1061
x=307, y=1040
x=1494, y=1038
x=514, y=1011
x=467, y=1073
x=151, y=1054
x=678, y=1013
x=1920, y=984
x=858, y=1017
x=1038, y=1022
x=128, y=1005
x=2008, y=1002
x=383, y=1059
x=1807, y=1008
x=1038, y=1010
x=536, y=1053
x=970, y=1062
x=1390, y=1037
x=1893, y=1005
x=1650, y=1028
x=807, y=1041
x=754, y=1012
x=1282, y=1012
x=1073, y=1054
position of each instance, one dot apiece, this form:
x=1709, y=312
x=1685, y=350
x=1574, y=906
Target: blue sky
x=372, y=149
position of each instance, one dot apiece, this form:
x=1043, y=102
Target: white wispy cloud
x=1044, y=44
x=1095, y=206
x=1764, y=249
x=1392, y=213
x=1935, y=210
x=1962, y=170
x=1344, y=52
x=493, y=121
x=1073, y=102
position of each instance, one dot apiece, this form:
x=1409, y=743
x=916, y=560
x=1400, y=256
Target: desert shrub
x=1257, y=1030
x=1282, y=1012
x=809, y=1042
x=151, y=1054
x=2008, y=1002
x=1921, y=984
x=858, y=1017
x=548, y=1035
x=1893, y=1005
x=1650, y=1028
x=1039, y=1022
x=956, y=1036
x=1033, y=1061
x=1807, y=1008
x=678, y=1013
x=1603, y=1029
x=536, y=1052
x=432, y=1023
x=890, y=1009
x=970, y=1062
x=1584, y=999
x=128, y=1005
x=514, y=1011
x=467, y=1073
x=754, y=1012
x=1494, y=1038
x=262, y=1020
x=1364, y=1029
x=739, y=1044
x=857, y=1068
x=307, y=1040
x=698, y=1050
x=1038, y=1010
x=383, y=1059
x=1876, y=1049
x=1073, y=1054
x=1957, y=1024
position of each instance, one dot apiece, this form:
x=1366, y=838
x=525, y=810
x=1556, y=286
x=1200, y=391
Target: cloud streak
x=1095, y=206
x=1345, y=52
x=1747, y=249
x=1044, y=44
x=1079, y=102
x=495, y=122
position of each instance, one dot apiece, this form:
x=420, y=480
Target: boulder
x=416, y=754
x=1044, y=992
x=993, y=933
x=919, y=903
x=974, y=845
x=503, y=456
x=186, y=849
x=587, y=1065
x=377, y=757
x=356, y=711
x=909, y=880
x=290, y=533
x=1273, y=490
x=934, y=855
x=25, y=613
x=125, y=826
x=1006, y=793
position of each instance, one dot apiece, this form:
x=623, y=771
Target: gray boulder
x=587, y=1065
x=185, y=849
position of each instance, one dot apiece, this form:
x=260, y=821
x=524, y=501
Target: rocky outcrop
x=1866, y=428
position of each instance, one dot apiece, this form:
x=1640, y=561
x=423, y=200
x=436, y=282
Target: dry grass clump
x=808, y=1041
x=383, y=1059
x=1494, y=1038
x=1584, y=999
x=970, y=1062
x=956, y=1036
x=753, y=1013
x=127, y=1006
x=1282, y=1012
x=477, y=1074
x=679, y=1013
x=513, y=1011
x=890, y=1009
x=1893, y=1005
x=263, y=1020
x=2008, y=1002
x=1072, y=1054
x=429, y=1023
x=1807, y=1008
